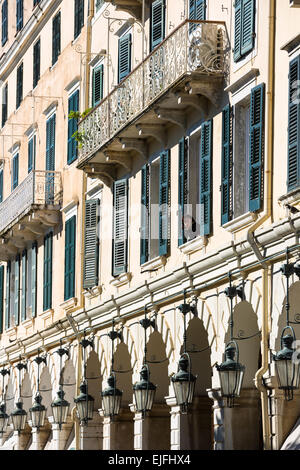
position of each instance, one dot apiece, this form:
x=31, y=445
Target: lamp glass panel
x=60, y=414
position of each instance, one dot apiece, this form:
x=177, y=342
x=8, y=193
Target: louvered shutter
x=182, y=186
x=248, y=15
x=55, y=38
x=157, y=23
x=4, y=22
x=15, y=174
x=226, y=187
x=145, y=215
x=1, y=186
x=31, y=154
x=1, y=297
x=50, y=158
x=19, y=91
x=164, y=188
x=36, y=62
x=120, y=227
x=124, y=56
x=19, y=15
x=70, y=234
x=7, y=304
x=91, y=243
x=33, y=278
x=237, y=30
x=4, y=104
x=97, y=88
x=78, y=17
x=73, y=105
x=257, y=113
x=23, y=285
x=205, y=177
x=17, y=290
x=47, y=288
x=294, y=126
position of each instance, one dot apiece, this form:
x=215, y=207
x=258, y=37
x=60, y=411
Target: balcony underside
x=26, y=228
x=133, y=7
x=193, y=92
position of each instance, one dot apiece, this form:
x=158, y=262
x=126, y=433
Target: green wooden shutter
x=120, y=227
x=91, y=243
x=97, y=89
x=1, y=297
x=182, y=186
x=205, y=177
x=4, y=22
x=257, y=113
x=164, y=188
x=15, y=173
x=124, y=56
x=19, y=15
x=4, y=104
x=78, y=17
x=70, y=240
x=157, y=26
x=226, y=186
x=237, y=30
x=50, y=158
x=47, y=287
x=248, y=31
x=1, y=186
x=24, y=284
x=73, y=105
x=19, y=91
x=17, y=290
x=294, y=126
x=7, y=304
x=144, y=253
x=31, y=154
x=36, y=62
x=33, y=278
x=55, y=38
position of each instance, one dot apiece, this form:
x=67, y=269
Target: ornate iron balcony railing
x=40, y=188
x=195, y=47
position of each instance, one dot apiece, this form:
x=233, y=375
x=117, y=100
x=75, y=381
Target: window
x=4, y=104
x=244, y=29
x=55, y=38
x=197, y=11
x=124, y=56
x=28, y=282
x=242, y=156
x=12, y=292
x=157, y=23
x=73, y=105
x=206, y=177
x=120, y=227
x=70, y=239
x=50, y=157
x=4, y=13
x=97, y=85
x=19, y=90
x=15, y=172
x=188, y=188
x=1, y=185
x=19, y=19
x=36, y=62
x=78, y=17
x=155, y=201
x=98, y=4
x=31, y=153
x=294, y=125
x=91, y=243
x=47, y=287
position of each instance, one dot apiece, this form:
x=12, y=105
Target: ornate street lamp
x=144, y=390
x=18, y=415
x=231, y=372
x=84, y=401
x=38, y=411
x=3, y=415
x=112, y=396
x=60, y=406
x=184, y=381
x=287, y=364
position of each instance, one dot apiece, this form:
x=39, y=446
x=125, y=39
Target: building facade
x=150, y=160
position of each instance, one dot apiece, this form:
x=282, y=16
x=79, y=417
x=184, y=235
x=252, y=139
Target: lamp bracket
x=114, y=335
x=40, y=359
x=87, y=342
x=3, y=372
x=62, y=351
x=145, y=323
x=21, y=365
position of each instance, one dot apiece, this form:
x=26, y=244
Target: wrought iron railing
x=195, y=46
x=39, y=188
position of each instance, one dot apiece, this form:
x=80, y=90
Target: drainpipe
x=266, y=273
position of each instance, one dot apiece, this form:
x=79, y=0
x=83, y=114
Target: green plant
x=79, y=136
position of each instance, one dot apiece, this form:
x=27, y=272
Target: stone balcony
x=29, y=211
x=185, y=71
x=133, y=7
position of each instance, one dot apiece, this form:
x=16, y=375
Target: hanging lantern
x=286, y=366
x=37, y=412
x=144, y=391
x=231, y=374
x=184, y=383
x=111, y=398
x=3, y=418
x=18, y=417
x=84, y=404
x=60, y=408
